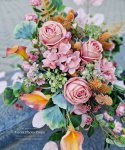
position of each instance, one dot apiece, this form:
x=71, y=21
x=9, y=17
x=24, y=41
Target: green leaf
x=46, y=92
x=119, y=144
x=118, y=70
x=86, y=126
x=49, y=104
x=61, y=8
x=121, y=99
x=9, y=98
x=95, y=124
x=57, y=3
x=36, y=10
x=17, y=86
x=118, y=88
x=56, y=136
x=76, y=120
x=28, y=89
x=16, y=93
x=109, y=141
x=62, y=102
x=90, y=132
x=25, y=31
x=52, y=116
x=102, y=122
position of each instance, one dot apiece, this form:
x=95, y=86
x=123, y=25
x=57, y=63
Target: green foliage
x=25, y=31
x=28, y=89
x=49, y=104
x=102, y=122
x=95, y=123
x=61, y=8
x=56, y=136
x=52, y=116
x=92, y=31
x=16, y=88
x=90, y=132
x=76, y=120
x=62, y=102
x=86, y=126
x=8, y=96
x=118, y=70
x=118, y=88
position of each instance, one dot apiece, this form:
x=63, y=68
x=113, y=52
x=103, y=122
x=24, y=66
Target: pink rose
x=107, y=116
x=97, y=2
x=91, y=50
x=51, y=34
x=118, y=127
x=35, y=2
x=31, y=17
x=108, y=70
x=120, y=109
x=26, y=66
x=77, y=91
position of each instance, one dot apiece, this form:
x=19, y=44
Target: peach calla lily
x=72, y=140
x=36, y=100
x=20, y=50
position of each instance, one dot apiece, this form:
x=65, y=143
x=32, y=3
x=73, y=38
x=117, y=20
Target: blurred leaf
x=109, y=141
x=76, y=120
x=118, y=88
x=56, y=136
x=90, y=132
x=52, y=116
x=95, y=124
x=118, y=70
x=61, y=8
x=9, y=98
x=25, y=31
x=28, y=89
x=62, y=102
x=17, y=86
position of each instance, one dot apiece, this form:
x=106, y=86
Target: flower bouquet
x=69, y=76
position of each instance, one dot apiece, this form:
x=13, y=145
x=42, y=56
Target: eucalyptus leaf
x=17, y=86
x=118, y=70
x=25, y=31
x=118, y=88
x=109, y=141
x=62, y=102
x=119, y=144
x=52, y=116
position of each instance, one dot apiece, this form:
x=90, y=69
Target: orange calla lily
x=36, y=100
x=72, y=140
x=20, y=50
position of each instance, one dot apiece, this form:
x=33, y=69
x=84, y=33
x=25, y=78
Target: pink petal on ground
x=2, y=74
x=37, y=121
x=50, y=146
x=3, y=85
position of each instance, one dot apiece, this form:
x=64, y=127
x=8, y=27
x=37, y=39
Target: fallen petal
x=37, y=121
x=2, y=74
x=3, y=85
x=50, y=146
